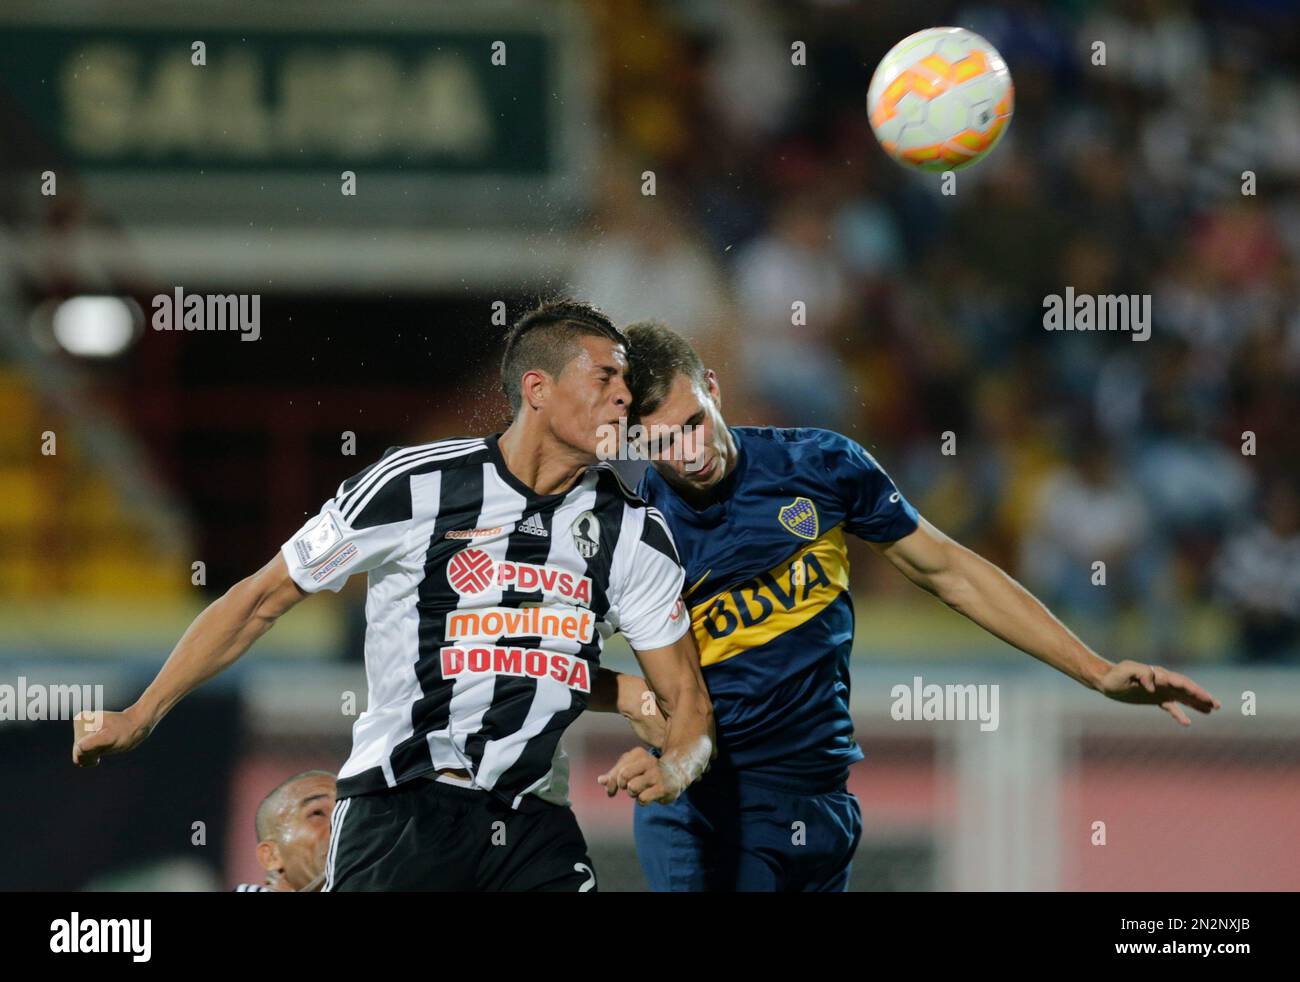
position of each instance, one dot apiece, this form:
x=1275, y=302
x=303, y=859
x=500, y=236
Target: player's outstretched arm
x=974, y=587
x=673, y=673
x=216, y=639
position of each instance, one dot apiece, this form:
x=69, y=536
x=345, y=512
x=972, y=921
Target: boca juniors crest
x=799, y=517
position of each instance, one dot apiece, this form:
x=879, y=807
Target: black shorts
x=428, y=835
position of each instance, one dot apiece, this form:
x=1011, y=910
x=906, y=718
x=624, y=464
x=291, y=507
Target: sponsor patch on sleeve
x=679, y=608
x=317, y=540
x=339, y=559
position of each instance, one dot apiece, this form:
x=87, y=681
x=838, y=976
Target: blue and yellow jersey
x=767, y=585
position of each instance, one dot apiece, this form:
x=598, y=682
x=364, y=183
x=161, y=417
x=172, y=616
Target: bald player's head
x=293, y=831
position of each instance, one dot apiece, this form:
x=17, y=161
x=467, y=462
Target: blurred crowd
x=1172, y=169
x=1154, y=150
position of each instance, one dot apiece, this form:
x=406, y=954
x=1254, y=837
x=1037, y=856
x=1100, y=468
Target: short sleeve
x=874, y=509
x=651, y=612
x=362, y=527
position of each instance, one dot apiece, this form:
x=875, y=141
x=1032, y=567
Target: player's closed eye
x=664, y=448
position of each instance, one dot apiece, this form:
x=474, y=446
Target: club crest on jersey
x=586, y=534
x=471, y=571
x=799, y=517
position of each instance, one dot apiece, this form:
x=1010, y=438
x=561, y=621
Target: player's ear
x=711, y=383
x=268, y=854
x=534, y=387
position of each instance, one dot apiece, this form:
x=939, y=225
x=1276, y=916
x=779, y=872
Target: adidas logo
x=533, y=526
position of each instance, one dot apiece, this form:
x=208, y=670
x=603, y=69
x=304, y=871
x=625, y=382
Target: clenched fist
x=647, y=778
x=116, y=733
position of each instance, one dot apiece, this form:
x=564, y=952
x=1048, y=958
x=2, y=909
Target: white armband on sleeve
x=327, y=550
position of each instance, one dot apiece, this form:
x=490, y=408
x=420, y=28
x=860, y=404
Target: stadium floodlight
x=95, y=326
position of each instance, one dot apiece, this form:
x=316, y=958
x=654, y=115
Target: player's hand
x=638, y=705
x=644, y=776
x=100, y=734
x=1151, y=685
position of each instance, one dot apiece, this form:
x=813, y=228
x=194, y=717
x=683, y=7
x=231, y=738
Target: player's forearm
x=224, y=631
x=981, y=591
x=615, y=692
x=689, y=744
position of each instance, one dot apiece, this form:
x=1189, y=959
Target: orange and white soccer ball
x=940, y=99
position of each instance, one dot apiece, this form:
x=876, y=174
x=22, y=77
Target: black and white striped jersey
x=252, y=888
x=486, y=610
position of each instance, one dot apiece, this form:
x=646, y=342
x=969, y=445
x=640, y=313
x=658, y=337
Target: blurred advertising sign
x=205, y=113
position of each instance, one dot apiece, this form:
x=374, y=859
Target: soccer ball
x=940, y=99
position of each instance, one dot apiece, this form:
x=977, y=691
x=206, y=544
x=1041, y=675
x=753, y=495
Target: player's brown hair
x=656, y=353
x=545, y=339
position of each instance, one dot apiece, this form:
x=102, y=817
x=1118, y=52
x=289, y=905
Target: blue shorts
x=729, y=835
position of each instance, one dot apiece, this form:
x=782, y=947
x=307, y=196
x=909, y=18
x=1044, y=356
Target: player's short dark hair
x=545, y=339
x=264, y=822
x=655, y=355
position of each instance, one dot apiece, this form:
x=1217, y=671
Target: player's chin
x=599, y=445
x=705, y=477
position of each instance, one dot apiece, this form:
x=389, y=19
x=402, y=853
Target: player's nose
x=621, y=394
